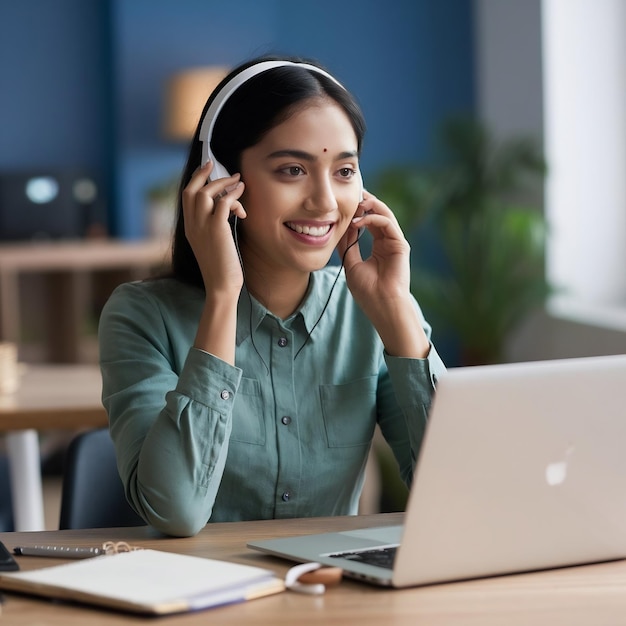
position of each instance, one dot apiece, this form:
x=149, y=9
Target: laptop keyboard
x=381, y=557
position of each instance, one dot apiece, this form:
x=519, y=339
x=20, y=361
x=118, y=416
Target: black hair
x=256, y=107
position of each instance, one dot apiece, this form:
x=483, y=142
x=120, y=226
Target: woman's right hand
x=207, y=205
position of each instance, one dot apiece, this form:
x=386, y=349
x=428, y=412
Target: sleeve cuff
x=209, y=380
x=419, y=376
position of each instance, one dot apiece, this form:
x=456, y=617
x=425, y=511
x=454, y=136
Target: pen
x=61, y=552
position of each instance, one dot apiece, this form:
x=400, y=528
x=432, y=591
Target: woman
x=247, y=385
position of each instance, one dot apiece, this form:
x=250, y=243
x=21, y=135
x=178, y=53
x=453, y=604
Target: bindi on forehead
x=325, y=149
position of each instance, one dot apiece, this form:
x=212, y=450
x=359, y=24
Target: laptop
x=523, y=468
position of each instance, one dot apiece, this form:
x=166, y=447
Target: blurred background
x=86, y=82
x=88, y=87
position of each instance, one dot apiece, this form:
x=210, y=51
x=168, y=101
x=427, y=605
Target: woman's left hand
x=381, y=284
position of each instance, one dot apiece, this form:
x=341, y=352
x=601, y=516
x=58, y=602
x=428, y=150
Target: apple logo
x=556, y=472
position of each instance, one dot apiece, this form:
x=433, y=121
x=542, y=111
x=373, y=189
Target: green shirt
x=276, y=435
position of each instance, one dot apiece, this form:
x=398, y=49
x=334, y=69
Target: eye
x=347, y=172
x=293, y=170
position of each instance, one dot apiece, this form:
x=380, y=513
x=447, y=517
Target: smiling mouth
x=312, y=231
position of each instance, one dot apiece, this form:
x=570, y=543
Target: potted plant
x=480, y=243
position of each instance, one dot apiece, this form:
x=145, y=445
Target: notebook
x=522, y=468
x=147, y=582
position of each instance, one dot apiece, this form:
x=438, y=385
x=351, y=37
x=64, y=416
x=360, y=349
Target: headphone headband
x=208, y=123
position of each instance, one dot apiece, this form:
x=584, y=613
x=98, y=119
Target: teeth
x=313, y=231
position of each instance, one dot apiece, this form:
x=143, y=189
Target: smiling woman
x=299, y=202
x=248, y=383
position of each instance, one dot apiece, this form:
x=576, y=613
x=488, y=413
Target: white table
x=49, y=397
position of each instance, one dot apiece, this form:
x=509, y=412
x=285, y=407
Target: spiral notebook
x=148, y=582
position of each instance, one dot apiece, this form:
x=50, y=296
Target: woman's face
x=303, y=187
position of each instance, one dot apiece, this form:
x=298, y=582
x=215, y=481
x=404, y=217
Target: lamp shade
x=186, y=95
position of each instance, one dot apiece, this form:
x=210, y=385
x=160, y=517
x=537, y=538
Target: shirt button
x=286, y=420
x=282, y=342
x=225, y=395
x=286, y=496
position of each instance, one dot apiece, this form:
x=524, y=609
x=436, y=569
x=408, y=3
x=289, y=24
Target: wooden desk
x=67, y=267
x=593, y=594
x=49, y=397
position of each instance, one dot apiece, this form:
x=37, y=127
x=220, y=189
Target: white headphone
x=208, y=123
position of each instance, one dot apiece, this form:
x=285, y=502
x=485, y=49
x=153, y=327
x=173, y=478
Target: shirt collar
x=250, y=312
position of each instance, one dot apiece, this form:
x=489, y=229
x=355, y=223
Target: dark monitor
x=46, y=204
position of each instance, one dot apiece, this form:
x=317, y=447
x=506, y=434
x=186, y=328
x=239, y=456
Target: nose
x=321, y=197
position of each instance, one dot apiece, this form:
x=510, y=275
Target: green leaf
x=492, y=240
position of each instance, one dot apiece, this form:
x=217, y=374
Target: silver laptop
x=523, y=467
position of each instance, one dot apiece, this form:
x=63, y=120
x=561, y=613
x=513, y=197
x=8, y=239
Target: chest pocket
x=248, y=422
x=349, y=412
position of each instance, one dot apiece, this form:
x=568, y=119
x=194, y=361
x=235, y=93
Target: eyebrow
x=307, y=156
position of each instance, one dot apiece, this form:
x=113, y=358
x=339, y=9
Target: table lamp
x=186, y=95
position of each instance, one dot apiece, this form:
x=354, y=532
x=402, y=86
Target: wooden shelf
x=68, y=269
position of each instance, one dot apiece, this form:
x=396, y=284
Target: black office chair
x=92, y=495
x=6, y=507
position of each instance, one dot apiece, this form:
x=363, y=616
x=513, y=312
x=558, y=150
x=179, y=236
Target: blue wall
x=83, y=81
x=54, y=107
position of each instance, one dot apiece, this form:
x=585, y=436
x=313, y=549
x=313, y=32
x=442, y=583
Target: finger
x=371, y=204
x=225, y=191
x=220, y=194
x=196, y=183
x=226, y=201
x=200, y=181
x=379, y=225
x=348, y=247
x=238, y=210
x=221, y=187
x=199, y=177
x=203, y=200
